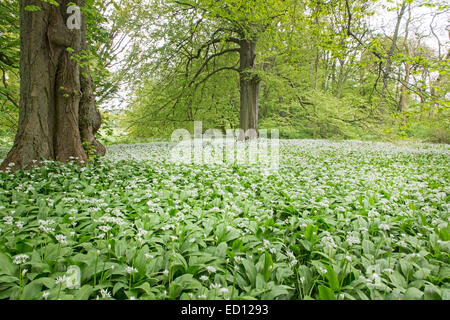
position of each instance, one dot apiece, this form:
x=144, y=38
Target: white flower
x=44, y=225
x=323, y=270
x=61, y=238
x=60, y=279
x=351, y=240
x=20, y=259
x=24, y=271
x=45, y=295
x=19, y=224
x=384, y=226
x=293, y=262
x=8, y=220
x=149, y=256
x=165, y=272
x=215, y=286
x=105, y=293
x=224, y=290
x=328, y=241
x=204, y=278
x=105, y=229
x=141, y=232
x=211, y=269
x=131, y=270
x=290, y=254
x=202, y=296
x=403, y=244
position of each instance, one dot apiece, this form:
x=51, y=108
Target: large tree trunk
x=57, y=109
x=250, y=88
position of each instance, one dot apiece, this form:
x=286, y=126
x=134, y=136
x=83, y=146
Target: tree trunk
x=250, y=88
x=57, y=108
x=388, y=68
x=404, y=90
x=402, y=105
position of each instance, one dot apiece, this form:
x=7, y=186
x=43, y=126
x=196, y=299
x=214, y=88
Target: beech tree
x=201, y=35
x=58, y=117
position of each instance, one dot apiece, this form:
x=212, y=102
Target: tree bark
x=402, y=105
x=57, y=109
x=250, y=85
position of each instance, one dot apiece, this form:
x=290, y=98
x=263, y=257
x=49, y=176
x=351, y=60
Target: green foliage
x=317, y=80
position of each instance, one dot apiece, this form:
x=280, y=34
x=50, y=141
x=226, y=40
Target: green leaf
x=332, y=278
x=276, y=292
x=84, y=292
x=397, y=280
x=432, y=293
x=32, y=291
x=6, y=266
x=268, y=266
x=32, y=8
x=413, y=294
x=250, y=270
x=326, y=293
x=146, y=288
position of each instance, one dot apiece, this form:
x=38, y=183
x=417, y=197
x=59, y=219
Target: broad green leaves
x=338, y=220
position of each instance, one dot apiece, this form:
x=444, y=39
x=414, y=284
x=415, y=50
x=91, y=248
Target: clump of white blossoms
x=105, y=229
x=8, y=220
x=44, y=225
x=21, y=259
x=211, y=269
x=215, y=286
x=293, y=260
x=105, y=293
x=328, y=241
x=353, y=239
x=19, y=224
x=131, y=270
x=61, y=279
x=61, y=239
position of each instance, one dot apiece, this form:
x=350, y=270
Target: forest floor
x=335, y=220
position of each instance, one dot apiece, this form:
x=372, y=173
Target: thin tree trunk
x=316, y=78
x=402, y=105
x=53, y=90
x=388, y=67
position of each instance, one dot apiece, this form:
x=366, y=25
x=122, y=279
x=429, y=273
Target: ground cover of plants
x=338, y=220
